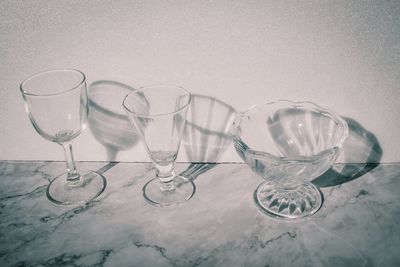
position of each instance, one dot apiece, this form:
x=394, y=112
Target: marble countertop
x=358, y=224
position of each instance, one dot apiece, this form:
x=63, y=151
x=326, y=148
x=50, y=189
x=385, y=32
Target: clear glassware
x=288, y=144
x=57, y=105
x=159, y=115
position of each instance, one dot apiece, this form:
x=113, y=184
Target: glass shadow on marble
x=56, y=102
x=108, y=120
x=288, y=144
x=361, y=154
x=206, y=135
x=160, y=121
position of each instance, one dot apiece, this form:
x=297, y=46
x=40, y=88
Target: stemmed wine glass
x=159, y=115
x=57, y=105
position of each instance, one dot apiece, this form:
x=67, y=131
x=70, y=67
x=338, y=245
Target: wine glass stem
x=73, y=175
x=165, y=178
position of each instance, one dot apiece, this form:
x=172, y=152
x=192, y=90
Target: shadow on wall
x=361, y=152
x=108, y=120
x=206, y=134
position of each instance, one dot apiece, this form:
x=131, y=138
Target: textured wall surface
x=344, y=55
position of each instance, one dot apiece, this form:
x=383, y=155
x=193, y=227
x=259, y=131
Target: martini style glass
x=57, y=105
x=159, y=115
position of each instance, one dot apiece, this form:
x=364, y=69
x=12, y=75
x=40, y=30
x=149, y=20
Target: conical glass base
x=89, y=186
x=182, y=190
x=288, y=203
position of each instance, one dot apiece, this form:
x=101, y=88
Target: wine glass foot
x=183, y=190
x=88, y=187
x=288, y=203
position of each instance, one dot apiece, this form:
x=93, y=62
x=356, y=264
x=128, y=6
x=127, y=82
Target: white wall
x=344, y=55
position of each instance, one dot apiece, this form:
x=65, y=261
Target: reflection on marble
x=220, y=226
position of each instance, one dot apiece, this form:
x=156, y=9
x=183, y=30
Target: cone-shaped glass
x=159, y=114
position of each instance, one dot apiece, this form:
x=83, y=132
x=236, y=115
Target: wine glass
x=159, y=115
x=57, y=105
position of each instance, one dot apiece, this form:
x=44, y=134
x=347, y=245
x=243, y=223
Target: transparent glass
x=159, y=115
x=57, y=105
x=288, y=144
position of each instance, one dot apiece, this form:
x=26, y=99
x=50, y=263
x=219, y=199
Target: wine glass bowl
x=159, y=115
x=57, y=105
x=47, y=92
x=288, y=144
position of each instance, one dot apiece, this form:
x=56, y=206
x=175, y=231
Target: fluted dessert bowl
x=288, y=144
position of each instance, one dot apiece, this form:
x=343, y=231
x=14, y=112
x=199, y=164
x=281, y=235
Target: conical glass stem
x=165, y=175
x=73, y=175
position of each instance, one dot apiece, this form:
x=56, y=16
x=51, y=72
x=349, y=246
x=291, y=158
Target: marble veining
x=221, y=226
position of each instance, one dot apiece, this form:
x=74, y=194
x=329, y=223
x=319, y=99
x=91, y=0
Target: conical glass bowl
x=288, y=144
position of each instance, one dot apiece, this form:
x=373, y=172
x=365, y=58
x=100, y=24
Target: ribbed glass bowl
x=288, y=144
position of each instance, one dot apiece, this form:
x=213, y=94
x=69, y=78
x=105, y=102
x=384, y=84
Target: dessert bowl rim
x=308, y=105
